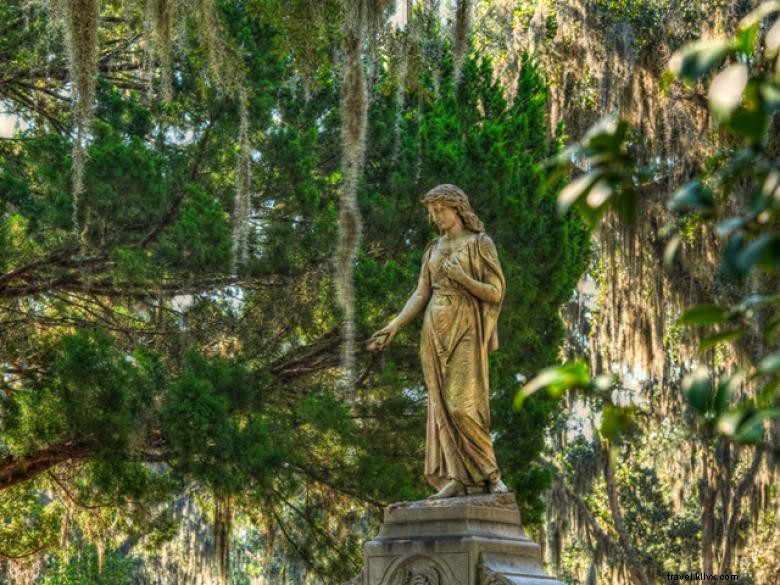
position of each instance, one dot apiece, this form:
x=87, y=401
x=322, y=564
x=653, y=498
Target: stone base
x=470, y=540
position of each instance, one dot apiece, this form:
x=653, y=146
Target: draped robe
x=458, y=331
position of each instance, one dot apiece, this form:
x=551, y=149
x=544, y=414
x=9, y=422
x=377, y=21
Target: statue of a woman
x=461, y=288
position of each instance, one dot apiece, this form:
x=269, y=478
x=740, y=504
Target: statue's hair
x=454, y=197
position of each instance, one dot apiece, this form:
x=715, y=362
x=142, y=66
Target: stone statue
x=461, y=288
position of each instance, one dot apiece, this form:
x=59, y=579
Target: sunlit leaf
x=727, y=87
x=556, y=380
x=604, y=382
x=770, y=95
x=771, y=187
x=723, y=337
x=695, y=60
x=772, y=41
x=599, y=194
x=670, y=250
x=761, y=12
x=729, y=421
x=770, y=364
x=706, y=314
x=578, y=188
x=610, y=139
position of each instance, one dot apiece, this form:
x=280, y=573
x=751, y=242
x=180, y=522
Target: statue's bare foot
x=452, y=489
x=498, y=487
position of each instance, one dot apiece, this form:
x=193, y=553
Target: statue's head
x=453, y=196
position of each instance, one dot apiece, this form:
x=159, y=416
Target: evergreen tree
x=140, y=369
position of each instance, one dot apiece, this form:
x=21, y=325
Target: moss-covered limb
x=16, y=469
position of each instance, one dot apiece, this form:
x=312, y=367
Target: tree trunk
x=707, y=496
x=730, y=536
x=636, y=571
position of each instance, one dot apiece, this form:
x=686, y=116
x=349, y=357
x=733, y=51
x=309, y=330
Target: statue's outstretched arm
x=413, y=307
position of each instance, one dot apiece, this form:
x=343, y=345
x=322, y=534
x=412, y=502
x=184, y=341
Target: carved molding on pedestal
x=418, y=571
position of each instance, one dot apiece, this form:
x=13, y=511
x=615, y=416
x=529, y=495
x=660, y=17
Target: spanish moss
x=81, y=22
x=242, y=201
x=461, y=34
x=353, y=137
x=161, y=16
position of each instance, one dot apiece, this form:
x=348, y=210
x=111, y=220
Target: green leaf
x=757, y=301
x=696, y=60
x=754, y=252
x=556, y=380
x=745, y=40
x=697, y=389
x=726, y=389
x=730, y=224
x=705, y=314
x=751, y=124
x=607, y=136
x=771, y=326
x=693, y=196
x=722, y=337
x=751, y=428
x=770, y=364
x=615, y=420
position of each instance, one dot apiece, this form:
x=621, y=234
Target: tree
x=145, y=369
x=734, y=389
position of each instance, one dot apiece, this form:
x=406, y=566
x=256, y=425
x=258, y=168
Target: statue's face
x=444, y=216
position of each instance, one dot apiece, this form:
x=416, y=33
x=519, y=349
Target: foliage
x=470, y=136
x=87, y=565
x=142, y=373
x=744, y=104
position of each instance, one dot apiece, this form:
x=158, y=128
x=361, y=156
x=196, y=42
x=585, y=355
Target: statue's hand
x=454, y=270
x=382, y=338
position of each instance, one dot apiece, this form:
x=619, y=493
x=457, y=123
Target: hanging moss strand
x=241, y=209
x=353, y=136
x=461, y=33
x=81, y=20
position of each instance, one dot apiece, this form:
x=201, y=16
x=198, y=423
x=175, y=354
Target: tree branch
x=14, y=469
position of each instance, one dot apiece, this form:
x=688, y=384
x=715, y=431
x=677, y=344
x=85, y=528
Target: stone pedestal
x=470, y=540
